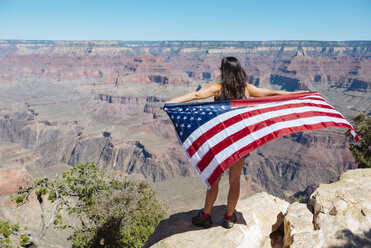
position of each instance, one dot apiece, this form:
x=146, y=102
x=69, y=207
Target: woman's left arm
x=259, y=92
x=197, y=95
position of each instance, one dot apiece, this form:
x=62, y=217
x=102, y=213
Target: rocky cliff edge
x=336, y=215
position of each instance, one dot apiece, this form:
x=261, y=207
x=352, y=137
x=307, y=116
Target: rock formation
x=337, y=215
x=59, y=101
x=11, y=178
x=258, y=217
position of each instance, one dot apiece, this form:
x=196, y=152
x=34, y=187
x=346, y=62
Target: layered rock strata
x=60, y=100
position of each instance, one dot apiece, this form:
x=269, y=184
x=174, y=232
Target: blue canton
x=187, y=117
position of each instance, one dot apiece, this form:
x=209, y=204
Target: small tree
x=114, y=211
x=11, y=235
x=362, y=149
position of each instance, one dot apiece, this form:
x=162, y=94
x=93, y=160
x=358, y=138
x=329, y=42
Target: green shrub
x=7, y=231
x=362, y=149
x=114, y=211
x=123, y=217
x=299, y=198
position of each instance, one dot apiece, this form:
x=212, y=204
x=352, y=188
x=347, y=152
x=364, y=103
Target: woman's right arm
x=209, y=91
x=260, y=92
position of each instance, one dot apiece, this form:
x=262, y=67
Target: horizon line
x=185, y=40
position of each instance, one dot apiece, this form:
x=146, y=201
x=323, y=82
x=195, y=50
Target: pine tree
x=362, y=149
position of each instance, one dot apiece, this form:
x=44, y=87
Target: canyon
x=67, y=102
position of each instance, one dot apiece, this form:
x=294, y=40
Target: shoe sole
x=202, y=225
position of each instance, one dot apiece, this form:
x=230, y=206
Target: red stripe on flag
x=269, y=137
x=206, y=159
x=192, y=149
x=217, y=172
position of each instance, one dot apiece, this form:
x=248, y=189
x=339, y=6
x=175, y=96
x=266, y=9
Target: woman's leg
x=234, y=185
x=211, y=195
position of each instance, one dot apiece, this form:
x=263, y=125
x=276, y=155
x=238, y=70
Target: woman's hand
x=301, y=91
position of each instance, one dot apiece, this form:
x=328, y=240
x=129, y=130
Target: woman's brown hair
x=233, y=78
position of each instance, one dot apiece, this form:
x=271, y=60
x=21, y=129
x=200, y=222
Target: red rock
x=11, y=178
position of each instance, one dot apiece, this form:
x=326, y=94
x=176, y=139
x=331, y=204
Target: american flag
x=214, y=135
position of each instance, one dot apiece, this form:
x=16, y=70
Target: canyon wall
x=67, y=102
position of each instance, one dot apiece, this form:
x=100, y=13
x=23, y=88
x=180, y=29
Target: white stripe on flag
x=220, y=118
x=211, y=142
x=228, y=151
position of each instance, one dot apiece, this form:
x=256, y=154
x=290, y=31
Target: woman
x=232, y=85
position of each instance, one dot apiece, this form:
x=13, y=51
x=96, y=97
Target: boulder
x=342, y=210
x=258, y=217
x=336, y=215
x=341, y=214
x=298, y=226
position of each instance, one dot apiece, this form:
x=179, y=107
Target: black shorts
x=246, y=156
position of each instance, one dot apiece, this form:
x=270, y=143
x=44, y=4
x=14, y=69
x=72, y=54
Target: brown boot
x=229, y=223
x=199, y=220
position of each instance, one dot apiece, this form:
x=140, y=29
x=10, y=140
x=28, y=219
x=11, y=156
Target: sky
x=153, y=20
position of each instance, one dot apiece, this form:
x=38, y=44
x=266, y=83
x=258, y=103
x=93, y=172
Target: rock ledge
x=336, y=215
